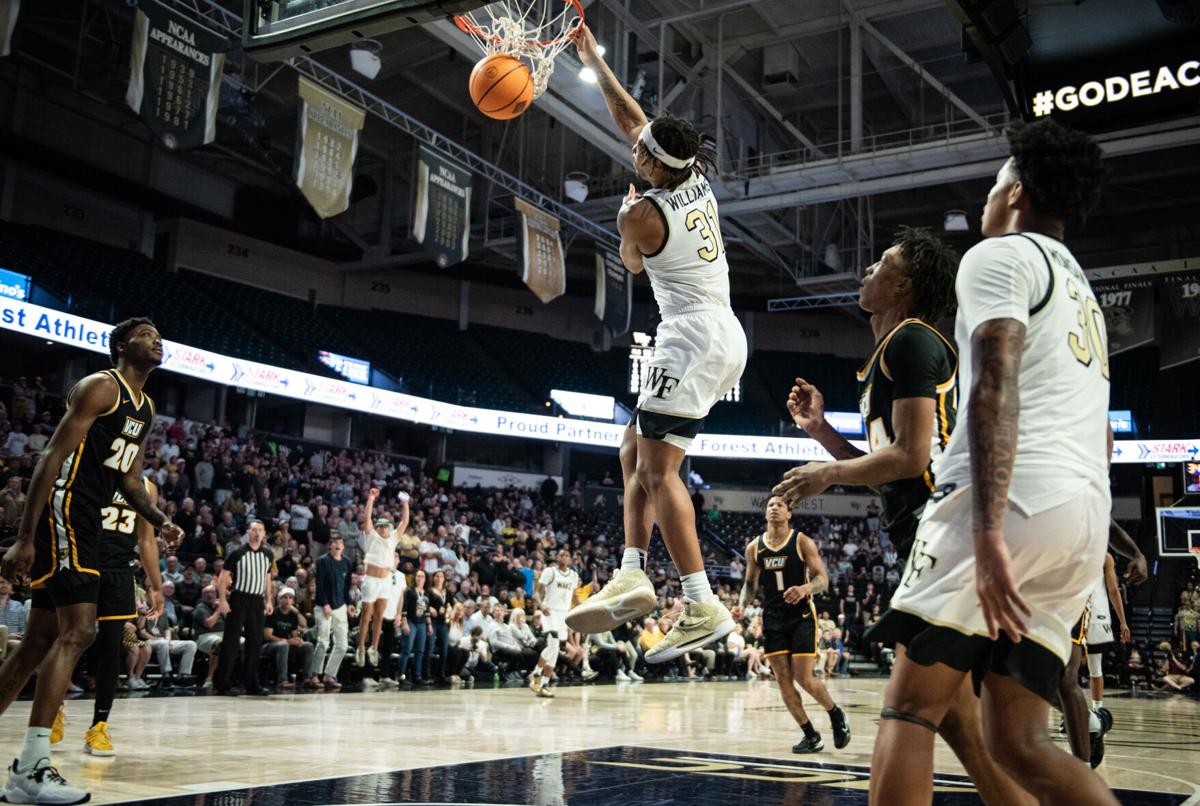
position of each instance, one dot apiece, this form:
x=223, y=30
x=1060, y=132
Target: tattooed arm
x=992, y=421
x=625, y=111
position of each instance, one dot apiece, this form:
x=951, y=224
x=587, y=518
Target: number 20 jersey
x=1063, y=378
x=85, y=482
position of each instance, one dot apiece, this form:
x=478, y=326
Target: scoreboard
x=280, y=29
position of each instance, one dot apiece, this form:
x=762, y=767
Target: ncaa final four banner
x=175, y=76
x=1179, y=319
x=441, y=220
x=614, y=292
x=543, y=266
x=1128, y=307
x=329, y=127
x=8, y=21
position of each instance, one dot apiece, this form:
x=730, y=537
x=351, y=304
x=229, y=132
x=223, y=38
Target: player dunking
x=672, y=232
x=96, y=450
x=787, y=561
x=1007, y=549
x=908, y=402
x=553, y=594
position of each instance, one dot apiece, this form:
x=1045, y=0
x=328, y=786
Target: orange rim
x=467, y=27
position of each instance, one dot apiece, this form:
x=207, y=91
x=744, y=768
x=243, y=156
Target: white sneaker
x=621, y=676
x=590, y=674
x=634, y=677
x=629, y=595
x=360, y=656
x=370, y=684
x=373, y=656
x=136, y=684
x=42, y=784
x=701, y=623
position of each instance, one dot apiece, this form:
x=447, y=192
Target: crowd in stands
x=1175, y=665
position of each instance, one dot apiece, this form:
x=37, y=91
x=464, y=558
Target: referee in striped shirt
x=245, y=596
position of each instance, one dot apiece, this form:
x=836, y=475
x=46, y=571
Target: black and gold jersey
x=118, y=534
x=913, y=360
x=93, y=471
x=779, y=569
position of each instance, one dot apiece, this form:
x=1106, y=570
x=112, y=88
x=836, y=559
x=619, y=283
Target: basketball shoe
x=96, y=741
x=809, y=744
x=701, y=623
x=59, y=729
x=628, y=595
x=41, y=784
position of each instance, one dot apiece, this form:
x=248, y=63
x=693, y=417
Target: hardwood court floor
x=694, y=743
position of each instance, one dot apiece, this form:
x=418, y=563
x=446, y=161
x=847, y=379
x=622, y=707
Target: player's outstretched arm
x=1120, y=542
x=806, y=404
x=148, y=552
x=625, y=111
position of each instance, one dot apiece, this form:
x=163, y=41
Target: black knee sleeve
x=892, y=713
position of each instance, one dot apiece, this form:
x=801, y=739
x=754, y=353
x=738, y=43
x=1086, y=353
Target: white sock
x=1096, y=704
x=696, y=588
x=36, y=748
x=633, y=559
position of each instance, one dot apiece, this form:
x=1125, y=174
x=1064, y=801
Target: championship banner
x=175, y=76
x=1179, y=319
x=544, y=269
x=8, y=21
x=329, y=128
x=441, y=220
x=1128, y=307
x=614, y=292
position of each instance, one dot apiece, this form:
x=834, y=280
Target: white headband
x=647, y=138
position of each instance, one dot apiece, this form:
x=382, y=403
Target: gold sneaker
x=96, y=741
x=629, y=595
x=59, y=728
x=700, y=624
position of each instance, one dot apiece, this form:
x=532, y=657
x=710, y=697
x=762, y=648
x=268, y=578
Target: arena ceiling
x=837, y=121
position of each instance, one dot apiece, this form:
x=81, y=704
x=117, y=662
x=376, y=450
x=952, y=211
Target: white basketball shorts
x=699, y=354
x=556, y=623
x=1056, y=555
x=395, y=592
x=374, y=588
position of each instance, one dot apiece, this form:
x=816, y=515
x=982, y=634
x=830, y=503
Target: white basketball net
x=533, y=30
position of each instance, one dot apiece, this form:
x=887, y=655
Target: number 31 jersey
x=690, y=267
x=1063, y=378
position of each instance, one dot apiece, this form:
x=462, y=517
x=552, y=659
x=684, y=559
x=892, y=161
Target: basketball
x=501, y=86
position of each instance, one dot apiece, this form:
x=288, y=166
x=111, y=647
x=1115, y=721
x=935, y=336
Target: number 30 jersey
x=690, y=267
x=1063, y=378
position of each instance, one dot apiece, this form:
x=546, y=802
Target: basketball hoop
x=533, y=30
x=1195, y=551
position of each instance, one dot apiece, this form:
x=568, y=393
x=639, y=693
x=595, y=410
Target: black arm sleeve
x=918, y=362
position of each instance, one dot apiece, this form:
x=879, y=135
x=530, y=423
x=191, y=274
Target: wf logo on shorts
x=662, y=383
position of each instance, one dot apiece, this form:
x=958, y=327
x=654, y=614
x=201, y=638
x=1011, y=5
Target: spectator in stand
x=285, y=643
x=756, y=653
x=439, y=640
x=506, y=648
x=460, y=644
x=319, y=532
x=208, y=624
x=1187, y=621
x=171, y=571
x=159, y=635
x=331, y=612
x=415, y=628
x=12, y=504
x=300, y=518
x=227, y=530
x=1174, y=668
x=13, y=616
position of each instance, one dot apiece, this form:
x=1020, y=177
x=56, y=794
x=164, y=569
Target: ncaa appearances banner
x=88, y=334
x=543, y=267
x=1128, y=307
x=175, y=76
x=441, y=220
x=9, y=9
x=1179, y=319
x=614, y=292
x=329, y=127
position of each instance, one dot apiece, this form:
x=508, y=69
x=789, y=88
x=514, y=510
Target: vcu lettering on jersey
x=913, y=360
x=781, y=568
x=81, y=504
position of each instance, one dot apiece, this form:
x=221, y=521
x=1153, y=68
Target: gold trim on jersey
x=782, y=545
x=117, y=618
x=139, y=399
x=882, y=346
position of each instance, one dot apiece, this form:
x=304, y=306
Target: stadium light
x=955, y=221
x=364, y=57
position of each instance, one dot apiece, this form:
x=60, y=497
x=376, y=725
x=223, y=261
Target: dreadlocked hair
x=118, y=334
x=1061, y=169
x=679, y=138
x=932, y=266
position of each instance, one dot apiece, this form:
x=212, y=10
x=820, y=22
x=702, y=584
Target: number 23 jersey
x=1063, y=378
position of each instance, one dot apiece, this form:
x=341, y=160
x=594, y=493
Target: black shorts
x=117, y=601
x=1079, y=631
x=1029, y=663
x=65, y=548
x=660, y=426
x=791, y=632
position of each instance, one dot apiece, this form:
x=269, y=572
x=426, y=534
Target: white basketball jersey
x=560, y=587
x=1099, y=600
x=1063, y=381
x=690, y=267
